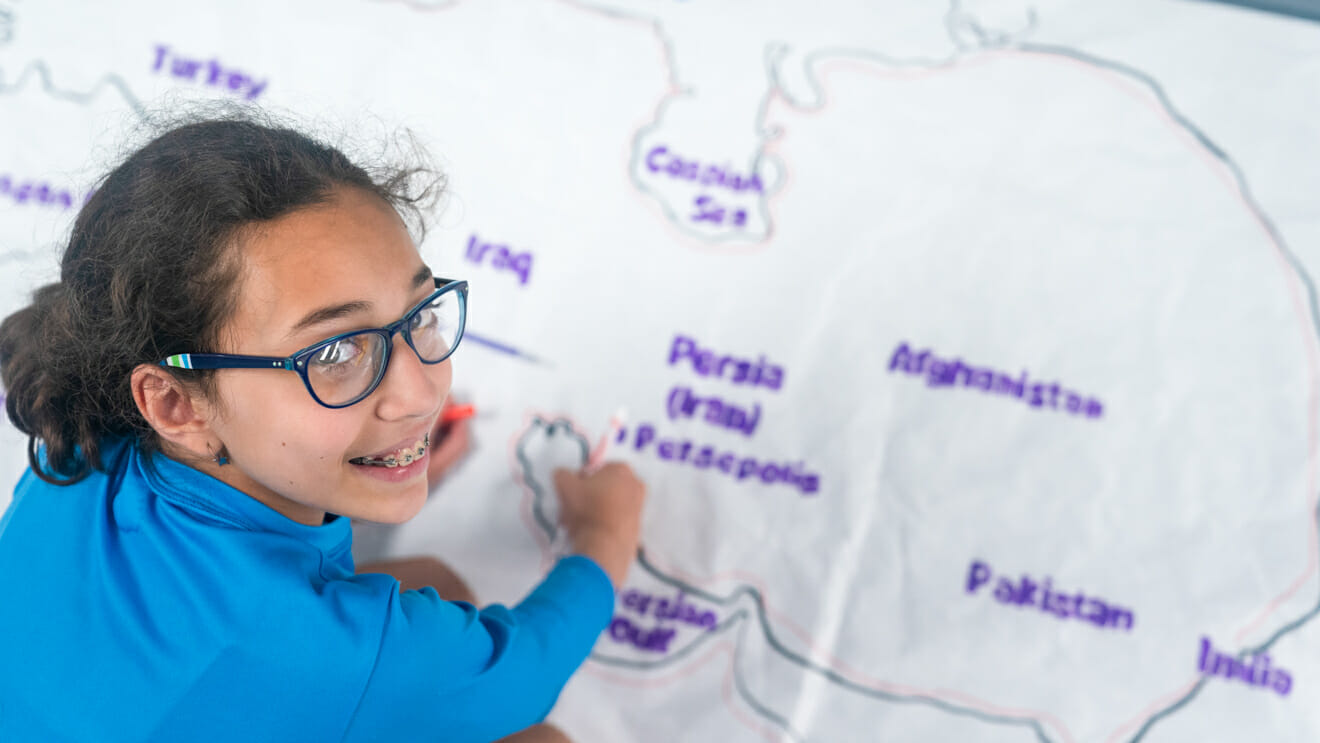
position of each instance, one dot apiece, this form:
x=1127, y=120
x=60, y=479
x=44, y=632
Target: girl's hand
x=450, y=442
x=601, y=513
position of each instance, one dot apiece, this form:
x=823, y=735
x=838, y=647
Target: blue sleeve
x=446, y=671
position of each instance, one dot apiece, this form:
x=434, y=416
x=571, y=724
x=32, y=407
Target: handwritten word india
x=1040, y=594
x=1254, y=671
x=209, y=72
x=947, y=372
x=683, y=403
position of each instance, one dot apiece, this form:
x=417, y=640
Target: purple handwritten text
x=738, y=370
x=501, y=258
x=1254, y=671
x=741, y=468
x=1041, y=595
x=209, y=72
x=38, y=193
x=683, y=403
x=661, y=160
x=655, y=640
x=707, y=209
x=668, y=608
x=940, y=372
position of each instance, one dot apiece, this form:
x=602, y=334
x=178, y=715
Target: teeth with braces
x=402, y=458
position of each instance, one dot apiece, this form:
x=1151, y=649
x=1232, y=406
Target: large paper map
x=969, y=349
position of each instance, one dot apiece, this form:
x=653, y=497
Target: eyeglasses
x=344, y=369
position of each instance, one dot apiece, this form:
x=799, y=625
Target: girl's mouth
x=400, y=458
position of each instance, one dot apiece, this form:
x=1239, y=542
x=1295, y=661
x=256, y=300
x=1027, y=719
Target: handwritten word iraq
x=941, y=372
x=500, y=258
x=207, y=71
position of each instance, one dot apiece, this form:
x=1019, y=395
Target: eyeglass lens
x=345, y=369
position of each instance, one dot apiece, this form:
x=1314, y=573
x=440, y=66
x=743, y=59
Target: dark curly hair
x=150, y=270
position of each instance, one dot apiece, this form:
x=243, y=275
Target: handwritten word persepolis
x=706, y=208
x=710, y=457
x=1041, y=595
x=1255, y=671
x=24, y=191
x=209, y=72
x=941, y=372
x=501, y=257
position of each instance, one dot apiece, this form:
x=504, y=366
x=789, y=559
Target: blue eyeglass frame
x=297, y=361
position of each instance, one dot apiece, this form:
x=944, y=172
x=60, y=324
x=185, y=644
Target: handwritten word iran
x=1254, y=672
x=1061, y=605
x=683, y=403
x=707, y=363
x=943, y=373
x=213, y=73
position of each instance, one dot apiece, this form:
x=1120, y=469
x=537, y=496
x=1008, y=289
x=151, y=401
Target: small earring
x=222, y=458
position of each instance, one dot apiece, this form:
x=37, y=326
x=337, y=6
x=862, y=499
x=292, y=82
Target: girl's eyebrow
x=336, y=311
x=326, y=314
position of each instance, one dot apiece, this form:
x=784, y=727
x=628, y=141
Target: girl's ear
x=180, y=415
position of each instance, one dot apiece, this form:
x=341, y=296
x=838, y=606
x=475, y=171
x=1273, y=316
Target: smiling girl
x=245, y=351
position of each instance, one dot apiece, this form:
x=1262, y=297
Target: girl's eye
x=339, y=352
x=425, y=320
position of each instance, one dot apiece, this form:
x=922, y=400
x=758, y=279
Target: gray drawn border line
x=734, y=620
x=676, y=91
x=1289, y=255
x=42, y=71
x=1306, y=9
x=83, y=98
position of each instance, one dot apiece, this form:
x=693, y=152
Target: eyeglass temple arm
x=225, y=361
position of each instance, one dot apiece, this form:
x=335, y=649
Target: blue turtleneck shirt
x=152, y=602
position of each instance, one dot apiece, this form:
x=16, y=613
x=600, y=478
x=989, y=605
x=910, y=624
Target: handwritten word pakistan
x=1041, y=595
x=947, y=372
x=209, y=72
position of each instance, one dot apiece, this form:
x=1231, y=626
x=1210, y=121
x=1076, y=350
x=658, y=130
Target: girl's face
x=344, y=265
